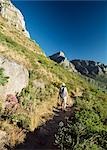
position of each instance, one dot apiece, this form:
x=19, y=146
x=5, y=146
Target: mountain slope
x=45, y=77
x=37, y=99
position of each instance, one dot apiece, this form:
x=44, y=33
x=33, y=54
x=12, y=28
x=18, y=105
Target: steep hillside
x=45, y=77
x=33, y=106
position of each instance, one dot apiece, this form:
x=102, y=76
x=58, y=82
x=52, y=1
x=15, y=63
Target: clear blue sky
x=77, y=28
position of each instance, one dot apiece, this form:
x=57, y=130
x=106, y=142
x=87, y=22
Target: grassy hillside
x=99, y=81
x=102, y=80
x=36, y=103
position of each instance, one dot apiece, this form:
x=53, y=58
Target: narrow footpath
x=43, y=137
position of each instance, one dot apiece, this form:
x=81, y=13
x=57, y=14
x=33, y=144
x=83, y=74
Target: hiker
x=63, y=95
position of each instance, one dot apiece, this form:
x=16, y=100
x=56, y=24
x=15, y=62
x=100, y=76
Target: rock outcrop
x=60, y=58
x=13, y=16
x=85, y=67
x=18, y=77
x=89, y=68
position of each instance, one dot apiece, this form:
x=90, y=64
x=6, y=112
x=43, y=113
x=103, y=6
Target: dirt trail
x=43, y=137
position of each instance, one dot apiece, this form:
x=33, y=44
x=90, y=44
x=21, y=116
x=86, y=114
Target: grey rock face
x=58, y=57
x=88, y=67
x=18, y=77
x=61, y=59
x=13, y=15
x=85, y=67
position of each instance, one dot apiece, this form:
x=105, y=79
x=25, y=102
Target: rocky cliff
x=89, y=68
x=85, y=67
x=13, y=16
x=60, y=58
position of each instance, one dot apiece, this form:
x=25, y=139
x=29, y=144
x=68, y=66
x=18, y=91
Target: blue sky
x=79, y=28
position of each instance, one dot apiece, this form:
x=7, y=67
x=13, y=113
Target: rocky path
x=43, y=137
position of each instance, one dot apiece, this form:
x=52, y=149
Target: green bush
x=3, y=78
x=88, y=129
x=22, y=120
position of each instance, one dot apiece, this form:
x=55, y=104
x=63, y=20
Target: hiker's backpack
x=63, y=92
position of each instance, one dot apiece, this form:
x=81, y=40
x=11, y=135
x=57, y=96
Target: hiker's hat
x=63, y=84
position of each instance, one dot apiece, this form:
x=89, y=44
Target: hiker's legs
x=62, y=101
x=64, y=104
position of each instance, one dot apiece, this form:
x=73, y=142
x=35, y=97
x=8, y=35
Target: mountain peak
x=60, y=58
x=61, y=53
x=13, y=16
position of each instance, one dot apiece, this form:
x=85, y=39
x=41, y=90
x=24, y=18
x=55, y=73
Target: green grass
x=3, y=78
x=88, y=129
x=14, y=46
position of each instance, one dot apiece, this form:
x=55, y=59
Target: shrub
x=3, y=78
x=13, y=134
x=22, y=120
x=87, y=130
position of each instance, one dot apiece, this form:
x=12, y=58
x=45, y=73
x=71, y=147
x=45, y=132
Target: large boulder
x=18, y=77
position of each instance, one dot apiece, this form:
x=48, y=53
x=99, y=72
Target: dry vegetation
x=36, y=103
